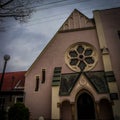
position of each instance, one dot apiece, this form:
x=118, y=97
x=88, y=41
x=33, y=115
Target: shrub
x=18, y=112
x=2, y=115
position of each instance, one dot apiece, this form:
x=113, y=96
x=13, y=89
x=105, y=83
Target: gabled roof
x=75, y=21
x=13, y=80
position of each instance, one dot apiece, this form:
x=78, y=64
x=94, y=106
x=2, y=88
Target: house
x=76, y=76
x=12, y=89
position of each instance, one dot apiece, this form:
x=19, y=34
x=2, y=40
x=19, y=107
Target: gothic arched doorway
x=85, y=107
x=66, y=111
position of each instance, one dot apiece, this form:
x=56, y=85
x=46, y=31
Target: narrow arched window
x=37, y=83
x=43, y=75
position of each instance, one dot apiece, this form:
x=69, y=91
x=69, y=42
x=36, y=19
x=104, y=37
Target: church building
x=77, y=75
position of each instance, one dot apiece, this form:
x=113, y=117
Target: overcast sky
x=24, y=42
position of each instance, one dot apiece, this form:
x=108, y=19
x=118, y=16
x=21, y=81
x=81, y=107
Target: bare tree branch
x=6, y=3
x=19, y=9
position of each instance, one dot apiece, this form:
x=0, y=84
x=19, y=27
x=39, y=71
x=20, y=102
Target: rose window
x=81, y=57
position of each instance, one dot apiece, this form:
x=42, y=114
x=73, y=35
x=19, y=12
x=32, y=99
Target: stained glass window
x=73, y=61
x=73, y=53
x=81, y=57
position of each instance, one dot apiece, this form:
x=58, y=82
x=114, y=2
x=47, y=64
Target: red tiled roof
x=12, y=80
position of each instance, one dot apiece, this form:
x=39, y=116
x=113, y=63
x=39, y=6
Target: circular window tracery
x=81, y=57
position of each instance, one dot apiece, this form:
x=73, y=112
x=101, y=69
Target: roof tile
x=11, y=80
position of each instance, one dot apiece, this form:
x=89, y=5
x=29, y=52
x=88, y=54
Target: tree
x=19, y=9
x=18, y=112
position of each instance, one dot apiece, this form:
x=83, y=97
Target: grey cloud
x=24, y=42
x=23, y=46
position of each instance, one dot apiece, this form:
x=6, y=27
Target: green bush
x=2, y=115
x=18, y=112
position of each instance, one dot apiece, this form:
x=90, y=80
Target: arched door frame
x=76, y=98
x=63, y=103
x=110, y=105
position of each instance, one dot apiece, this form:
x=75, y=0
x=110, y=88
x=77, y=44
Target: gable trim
x=77, y=20
x=78, y=29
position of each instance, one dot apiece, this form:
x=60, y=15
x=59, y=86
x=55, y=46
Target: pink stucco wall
x=39, y=102
x=111, y=24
